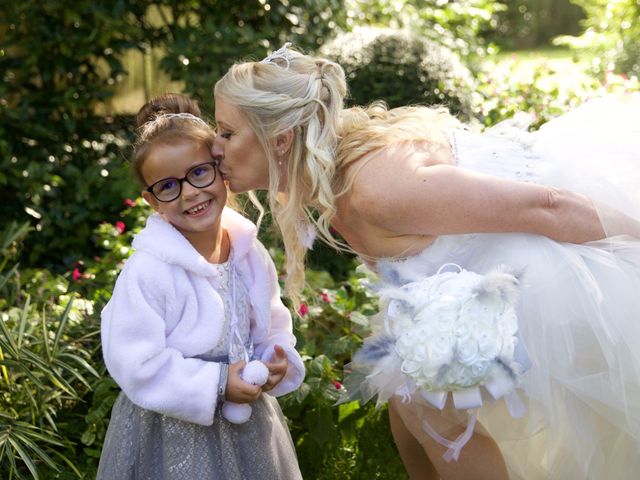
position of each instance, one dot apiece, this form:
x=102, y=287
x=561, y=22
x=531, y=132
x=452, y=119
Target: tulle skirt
x=579, y=307
x=144, y=445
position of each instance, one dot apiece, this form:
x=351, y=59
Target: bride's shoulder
x=396, y=163
x=386, y=179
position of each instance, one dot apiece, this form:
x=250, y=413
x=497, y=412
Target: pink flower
x=76, y=275
x=337, y=384
x=120, y=226
x=325, y=297
x=129, y=203
x=303, y=309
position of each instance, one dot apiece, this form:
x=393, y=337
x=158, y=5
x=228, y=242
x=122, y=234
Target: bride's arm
x=412, y=198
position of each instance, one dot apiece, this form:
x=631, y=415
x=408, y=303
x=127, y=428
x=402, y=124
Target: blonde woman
x=543, y=226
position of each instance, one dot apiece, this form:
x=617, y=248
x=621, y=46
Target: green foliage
x=533, y=23
x=63, y=165
x=612, y=34
x=45, y=363
x=458, y=26
x=402, y=68
x=336, y=441
x=58, y=158
x=205, y=38
x=539, y=94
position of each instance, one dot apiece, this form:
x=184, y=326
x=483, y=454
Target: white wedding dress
x=579, y=305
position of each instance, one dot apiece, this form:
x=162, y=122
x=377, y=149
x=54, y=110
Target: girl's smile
x=199, y=210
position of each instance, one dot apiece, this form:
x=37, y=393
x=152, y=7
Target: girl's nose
x=189, y=191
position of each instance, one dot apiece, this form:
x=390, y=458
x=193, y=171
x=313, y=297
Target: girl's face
x=243, y=160
x=196, y=210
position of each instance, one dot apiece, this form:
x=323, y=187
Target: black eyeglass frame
x=184, y=179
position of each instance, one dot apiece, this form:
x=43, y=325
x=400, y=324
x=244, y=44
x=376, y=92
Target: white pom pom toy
x=255, y=373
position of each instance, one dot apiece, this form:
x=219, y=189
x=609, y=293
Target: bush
x=402, y=68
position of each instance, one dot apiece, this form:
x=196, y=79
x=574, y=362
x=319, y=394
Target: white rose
x=468, y=353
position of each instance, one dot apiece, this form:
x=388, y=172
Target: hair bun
x=166, y=103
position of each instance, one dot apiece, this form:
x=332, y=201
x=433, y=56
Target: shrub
x=402, y=68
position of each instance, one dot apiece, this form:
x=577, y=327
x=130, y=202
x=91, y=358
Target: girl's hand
x=238, y=390
x=277, y=366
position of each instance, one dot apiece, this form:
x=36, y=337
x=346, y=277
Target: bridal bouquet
x=450, y=332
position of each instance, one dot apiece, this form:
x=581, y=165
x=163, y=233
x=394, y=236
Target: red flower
x=76, y=275
x=303, y=309
x=325, y=297
x=337, y=384
x=120, y=226
x=129, y=203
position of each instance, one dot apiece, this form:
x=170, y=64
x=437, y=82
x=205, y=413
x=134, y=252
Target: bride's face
x=243, y=162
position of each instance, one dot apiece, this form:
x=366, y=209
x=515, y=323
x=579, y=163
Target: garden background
x=73, y=73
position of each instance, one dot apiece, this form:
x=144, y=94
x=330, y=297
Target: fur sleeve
x=153, y=375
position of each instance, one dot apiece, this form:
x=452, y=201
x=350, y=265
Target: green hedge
x=403, y=68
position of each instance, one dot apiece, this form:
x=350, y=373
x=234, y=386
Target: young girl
x=197, y=299
x=550, y=218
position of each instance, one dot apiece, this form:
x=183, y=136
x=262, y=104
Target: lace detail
x=230, y=287
x=505, y=152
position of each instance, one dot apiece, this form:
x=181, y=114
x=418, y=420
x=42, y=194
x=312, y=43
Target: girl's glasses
x=199, y=176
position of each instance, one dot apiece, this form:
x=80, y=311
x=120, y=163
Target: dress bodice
x=235, y=338
x=502, y=151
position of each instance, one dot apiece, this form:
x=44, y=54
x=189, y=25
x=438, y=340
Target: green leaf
x=24, y=456
x=359, y=319
x=63, y=322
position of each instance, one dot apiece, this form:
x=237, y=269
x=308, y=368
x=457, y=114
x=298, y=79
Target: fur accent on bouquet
x=453, y=332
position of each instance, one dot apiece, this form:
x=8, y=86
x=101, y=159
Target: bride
x=507, y=263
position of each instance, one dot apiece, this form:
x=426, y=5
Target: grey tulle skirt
x=144, y=445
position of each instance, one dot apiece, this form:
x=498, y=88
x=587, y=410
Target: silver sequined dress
x=145, y=445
